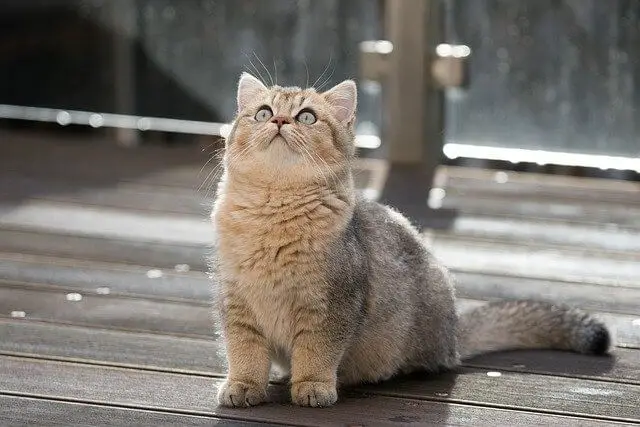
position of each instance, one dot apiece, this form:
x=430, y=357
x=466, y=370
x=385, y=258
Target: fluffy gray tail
x=526, y=324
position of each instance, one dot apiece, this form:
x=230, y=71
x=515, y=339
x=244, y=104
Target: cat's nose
x=280, y=120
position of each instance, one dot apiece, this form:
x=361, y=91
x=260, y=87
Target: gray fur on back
x=399, y=297
x=396, y=303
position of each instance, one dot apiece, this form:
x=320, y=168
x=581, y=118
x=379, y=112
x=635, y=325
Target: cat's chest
x=273, y=248
x=270, y=254
x=278, y=312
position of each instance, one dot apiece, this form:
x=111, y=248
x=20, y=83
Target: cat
x=335, y=289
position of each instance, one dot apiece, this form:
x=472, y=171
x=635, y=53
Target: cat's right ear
x=343, y=99
x=248, y=89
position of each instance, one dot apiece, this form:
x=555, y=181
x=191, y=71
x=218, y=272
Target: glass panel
x=548, y=74
x=181, y=59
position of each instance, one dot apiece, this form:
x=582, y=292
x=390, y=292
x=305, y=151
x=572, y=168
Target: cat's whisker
x=212, y=177
x=259, y=74
x=335, y=177
x=328, y=79
x=323, y=71
x=275, y=69
x=212, y=156
x=264, y=66
x=301, y=144
x=317, y=166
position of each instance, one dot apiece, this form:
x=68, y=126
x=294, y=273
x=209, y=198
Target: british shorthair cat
x=333, y=288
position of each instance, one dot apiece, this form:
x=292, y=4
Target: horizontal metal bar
x=96, y=120
x=142, y=123
x=541, y=157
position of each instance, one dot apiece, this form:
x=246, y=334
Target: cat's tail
x=527, y=324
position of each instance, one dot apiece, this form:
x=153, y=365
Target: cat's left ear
x=343, y=99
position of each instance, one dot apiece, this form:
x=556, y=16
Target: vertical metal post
x=124, y=27
x=413, y=109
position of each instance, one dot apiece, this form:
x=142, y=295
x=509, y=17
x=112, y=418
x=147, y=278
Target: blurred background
x=507, y=129
x=515, y=85
x=549, y=75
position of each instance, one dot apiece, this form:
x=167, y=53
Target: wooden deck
x=105, y=309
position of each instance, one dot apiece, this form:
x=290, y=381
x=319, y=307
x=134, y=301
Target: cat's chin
x=280, y=147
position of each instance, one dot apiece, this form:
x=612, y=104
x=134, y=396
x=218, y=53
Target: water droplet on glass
x=494, y=374
x=74, y=296
x=504, y=68
x=181, y=268
x=18, y=314
x=502, y=53
x=169, y=13
x=103, y=290
x=154, y=274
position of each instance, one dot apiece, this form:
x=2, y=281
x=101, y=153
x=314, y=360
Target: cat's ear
x=343, y=99
x=248, y=89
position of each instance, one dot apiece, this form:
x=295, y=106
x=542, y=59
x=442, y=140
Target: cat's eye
x=264, y=114
x=306, y=117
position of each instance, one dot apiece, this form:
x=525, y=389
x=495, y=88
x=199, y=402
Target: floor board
x=101, y=323
x=171, y=392
x=23, y=411
x=206, y=356
x=91, y=277
x=174, y=317
x=105, y=311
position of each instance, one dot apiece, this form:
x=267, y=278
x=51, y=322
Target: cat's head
x=291, y=135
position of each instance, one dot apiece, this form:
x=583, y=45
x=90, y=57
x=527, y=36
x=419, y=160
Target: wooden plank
x=105, y=311
x=90, y=278
x=206, y=356
x=592, y=297
x=516, y=390
x=542, y=194
x=107, y=223
x=541, y=187
x=127, y=280
x=73, y=157
x=16, y=410
x=472, y=174
x=94, y=277
x=197, y=355
x=578, y=265
x=179, y=318
x=196, y=201
x=611, y=216
x=595, y=238
x=121, y=196
x=103, y=249
x=171, y=392
x=622, y=366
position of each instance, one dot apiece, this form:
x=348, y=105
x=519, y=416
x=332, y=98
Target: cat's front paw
x=237, y=394
x=314, y=394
